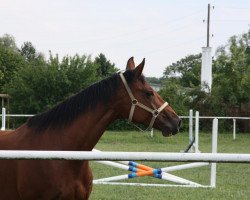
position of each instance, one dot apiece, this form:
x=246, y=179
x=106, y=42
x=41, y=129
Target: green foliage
x=231, y=72
x=180, y=79
x=154, y=80
x=230, y=92
x=104, y=67
x=36, y=84
x=187, y=70
x=30, y=54
x=38, y=88
x=10, y=61
x=121, y=124
x=8, y=41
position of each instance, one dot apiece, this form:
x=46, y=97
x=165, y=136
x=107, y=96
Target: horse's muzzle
x=171, y=128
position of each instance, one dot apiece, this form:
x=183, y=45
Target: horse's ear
x=138, y=70
x=130, y=64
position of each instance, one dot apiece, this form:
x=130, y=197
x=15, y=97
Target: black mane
x=66, y=112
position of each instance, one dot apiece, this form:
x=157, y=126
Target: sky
x=161, y=31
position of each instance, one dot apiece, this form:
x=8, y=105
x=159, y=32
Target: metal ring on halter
x=134, y=102
x=155, y=113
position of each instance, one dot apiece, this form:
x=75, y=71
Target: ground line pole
x=214, y=151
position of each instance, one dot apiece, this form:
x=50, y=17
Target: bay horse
x=76, y=125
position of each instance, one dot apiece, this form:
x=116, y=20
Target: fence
x=201, y=159
x=197, y=118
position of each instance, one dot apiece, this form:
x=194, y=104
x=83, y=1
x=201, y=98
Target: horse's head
x=142, y=104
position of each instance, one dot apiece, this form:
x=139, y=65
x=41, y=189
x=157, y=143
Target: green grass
x=233, y=180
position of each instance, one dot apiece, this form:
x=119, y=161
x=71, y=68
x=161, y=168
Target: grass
x=233, y=180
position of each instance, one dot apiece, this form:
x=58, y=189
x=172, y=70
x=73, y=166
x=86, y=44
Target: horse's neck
x=86, y=131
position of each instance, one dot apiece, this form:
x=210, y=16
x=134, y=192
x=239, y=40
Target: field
x=233, y=180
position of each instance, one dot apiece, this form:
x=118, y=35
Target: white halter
x=135, y=102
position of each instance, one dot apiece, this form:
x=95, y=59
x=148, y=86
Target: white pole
x=3, y=119
x=165, y=176
x=214, y=151
x=149, y=184
x=184, y=166
x=136, y=156
x=113, y=178
x=190, y=126
x=114, y=164
x=197, y=132
x=234, y=129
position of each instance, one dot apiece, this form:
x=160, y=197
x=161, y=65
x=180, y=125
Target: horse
x=76, y=125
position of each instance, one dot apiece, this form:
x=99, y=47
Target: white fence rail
x=123, y=156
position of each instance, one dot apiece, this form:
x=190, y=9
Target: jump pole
x=117, y=156
x=184, y=166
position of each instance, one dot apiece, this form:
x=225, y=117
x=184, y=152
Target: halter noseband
x=135, y=102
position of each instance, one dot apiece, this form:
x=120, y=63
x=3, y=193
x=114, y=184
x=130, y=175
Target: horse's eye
x=149, y=93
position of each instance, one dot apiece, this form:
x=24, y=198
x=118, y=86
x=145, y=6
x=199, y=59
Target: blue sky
x=162, y=31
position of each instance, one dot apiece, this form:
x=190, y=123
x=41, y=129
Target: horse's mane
x=69, y=110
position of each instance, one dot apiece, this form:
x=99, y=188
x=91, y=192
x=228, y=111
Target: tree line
x=36, y=84
x=230, y=92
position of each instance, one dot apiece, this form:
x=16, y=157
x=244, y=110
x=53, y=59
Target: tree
x=230, y=94
x=154, y=80
x=38, y=88
x=180, y=79
x=231, y=84
x=104, y=67
x=80, y=70
x=10, y=60
x=30, y=54
x=231, y=78
x=187, y=70
x=8, y=41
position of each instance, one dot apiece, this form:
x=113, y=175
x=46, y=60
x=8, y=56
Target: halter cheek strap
x=134, y=103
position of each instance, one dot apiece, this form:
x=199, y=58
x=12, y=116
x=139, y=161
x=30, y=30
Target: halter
x=135, y=103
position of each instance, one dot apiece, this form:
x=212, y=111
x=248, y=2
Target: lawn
x=233, y=180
